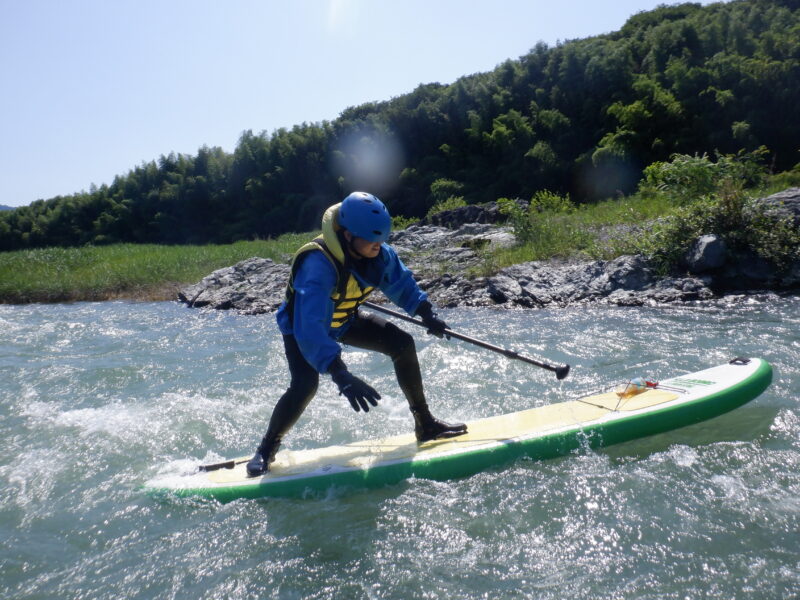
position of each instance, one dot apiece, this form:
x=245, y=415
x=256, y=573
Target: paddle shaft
x=560, y=371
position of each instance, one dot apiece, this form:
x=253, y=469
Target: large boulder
x=418, y=238
x=430, y=250
x=624, y=281
x=784, y=204
x=708, y=252
x=487, y=213
x=253, y=286
x=744, y=270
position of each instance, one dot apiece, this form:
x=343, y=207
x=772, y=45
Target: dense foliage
x=711, y=197
x=678, y=201
x=584, y=118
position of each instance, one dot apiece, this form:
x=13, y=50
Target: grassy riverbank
x=676, y=203
x=602, y=230
x=142, y=272
x=661, y=221
x=155, y=272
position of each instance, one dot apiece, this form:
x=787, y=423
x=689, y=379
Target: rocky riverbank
x=442, y=256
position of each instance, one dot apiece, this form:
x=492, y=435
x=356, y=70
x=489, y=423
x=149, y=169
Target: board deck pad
x=551, y=430
x=364, y=454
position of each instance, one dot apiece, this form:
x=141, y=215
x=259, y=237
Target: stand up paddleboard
x=539, y=433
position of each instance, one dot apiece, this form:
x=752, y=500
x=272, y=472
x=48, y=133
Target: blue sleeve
x=314, y=282
x=398, y=282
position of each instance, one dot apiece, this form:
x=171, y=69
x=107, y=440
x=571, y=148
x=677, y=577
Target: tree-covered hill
x=583, y=117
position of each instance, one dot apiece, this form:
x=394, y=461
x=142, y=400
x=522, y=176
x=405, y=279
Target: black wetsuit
x=366, y=331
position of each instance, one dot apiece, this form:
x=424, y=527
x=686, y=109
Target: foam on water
x=96, y=399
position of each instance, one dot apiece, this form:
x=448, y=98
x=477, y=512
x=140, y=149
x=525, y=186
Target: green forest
x=583, y=118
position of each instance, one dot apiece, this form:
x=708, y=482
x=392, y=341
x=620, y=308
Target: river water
x=97, y=398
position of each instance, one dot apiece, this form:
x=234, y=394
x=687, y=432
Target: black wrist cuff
x=337, y=365
x=425, y=309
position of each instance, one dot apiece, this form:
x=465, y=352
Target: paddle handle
x=560, y=371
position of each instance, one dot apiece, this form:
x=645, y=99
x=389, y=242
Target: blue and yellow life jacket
x=348, y=294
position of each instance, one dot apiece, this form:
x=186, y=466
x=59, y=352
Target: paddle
x=561, y=371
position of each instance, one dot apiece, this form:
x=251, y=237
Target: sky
x=89, y=89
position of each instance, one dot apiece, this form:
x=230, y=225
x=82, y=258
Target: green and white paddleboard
x=539, y=433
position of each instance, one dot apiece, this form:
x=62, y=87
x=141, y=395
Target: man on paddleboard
x=330, y=277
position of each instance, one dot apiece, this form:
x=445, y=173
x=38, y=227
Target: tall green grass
x=147, y=272
x=599, y=230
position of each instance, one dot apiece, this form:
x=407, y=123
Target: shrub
x=528, y=223
x=688, y=178
x=547, y=227
x=449, y=203
x=518, y=217
x=547, y=201
x=787, y=179
x=744, y=224
x=400, y=222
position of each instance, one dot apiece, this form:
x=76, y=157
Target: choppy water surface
x=97, y=398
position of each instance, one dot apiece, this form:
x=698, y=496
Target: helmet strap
x=348, y=242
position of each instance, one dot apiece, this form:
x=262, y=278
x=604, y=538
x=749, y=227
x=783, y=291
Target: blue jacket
x=314, y=283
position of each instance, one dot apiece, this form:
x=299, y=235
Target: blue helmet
x=366, y=217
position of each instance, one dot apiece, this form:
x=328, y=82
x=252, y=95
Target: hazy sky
x=93, y=88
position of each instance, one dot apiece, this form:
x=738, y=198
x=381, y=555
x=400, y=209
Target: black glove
x=356, y=391
x=429, y=318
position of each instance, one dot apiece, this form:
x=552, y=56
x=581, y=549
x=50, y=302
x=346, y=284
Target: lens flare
x=369, y=160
